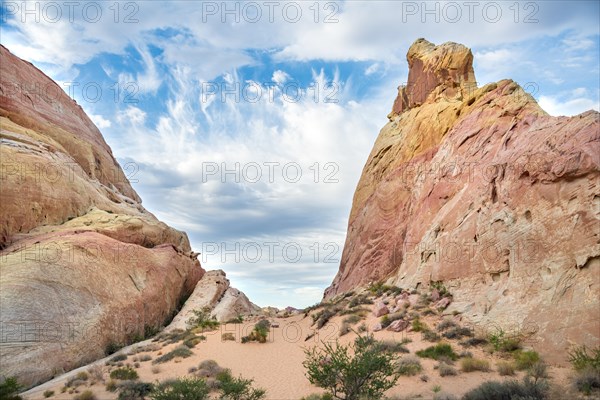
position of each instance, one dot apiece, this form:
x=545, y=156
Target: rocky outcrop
x=481, y=189
x=83, y=265
x=214, y=294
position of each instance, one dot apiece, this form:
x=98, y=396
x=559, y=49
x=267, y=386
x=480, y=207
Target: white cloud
x=100, y=121
x=280, y=77
x=556, y=107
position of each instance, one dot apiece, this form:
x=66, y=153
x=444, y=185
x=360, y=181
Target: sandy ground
x=277, y=365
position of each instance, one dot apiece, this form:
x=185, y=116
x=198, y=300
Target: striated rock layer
x=83, y=265
x=481, y=189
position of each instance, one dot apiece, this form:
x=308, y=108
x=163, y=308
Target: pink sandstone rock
x=380, y=309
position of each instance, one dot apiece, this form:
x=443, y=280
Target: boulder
x=398, y=325
x=380, y=309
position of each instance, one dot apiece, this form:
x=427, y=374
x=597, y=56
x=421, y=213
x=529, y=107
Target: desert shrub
x=48, y=393
x=444, y=396
x=446, y=370
x=324, y=316
x=446, y=324
x=180, y=351
x=457, y=333
x=95, y=371
x=119, y=357
x=181, y=389
x=353, y=319
x=362, y=328
x=209, y=369
x=345, y=329
x=227, y=337
x=505, y=368
x=111, y=386
x=125, y=373
x=581, y=359
x=525, y=359
x=474, y=364
x=155, y=369
x=538, y=371
x=430, y=336
x=437, y=351
x=418, y=325
x=359, y=300
x=134, y=390
x=9, y=389
x=502, y=342
x=473, y=342
x=439, y=285
x=409, y=366
x=316, y=396
x=85, y=395
x=238, y=388
x=378, y=288
x=203, y=320
x=260, y=332
x=587, y=380
x=237, y=320
x=392, y=346
x=112, y=347
x=192, y=342
x=145, y=357
x=511, y=390
x=357, y=370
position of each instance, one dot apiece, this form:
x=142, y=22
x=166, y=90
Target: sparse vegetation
x=469, y=364
x=179, y=351
x=437, y=351
x=125, y=373
x=505, y=368
x=227, y=337
x=430, y=336
x=353, y=371
x=387, y=320
x=260, y=333
x=238, y=388
x=85, y=395
x=418, y=325
x=500, y=341
x=392, y=346
x=581, y=359
x=525, y=359
x=9, y=389
x=119, y=357
x=48, y=393
x=131, y=390
x=409, y=365
x=508, y=390
x=237, y=320
x=587, y=381
x=181, y=389
x=446, y=370
x=203, y=320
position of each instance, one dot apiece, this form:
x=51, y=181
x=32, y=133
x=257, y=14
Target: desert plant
x=259, y=333
x=119, y=357
x=353, y=371
x=125, y=373
x=208, y=369
x=353, y=319
x=430, y=336
x=362, y=328
x=387, y=320
x=444, y=396
x=111, y=386
x=9, y=389
x=538, y=371
x=345, y=329
x=179, y=351
x=469, y=364
x=181, y=389
x=85, y=395
x=446, y=324
x=134, y=390
x=315, y=396
x=437, y=351
x=525, y=359
x=505, y=368
x=48, y=393
x=457, y=333
x=446, y=369
x=587, y=380
x=227, y=337
x=508, y=390
x=203, y=320
x=472, y=342
x=580, y=359
x=238, y=388
x=502, y=342
x=145, y=357
x=409, y=366
x=392, y=346
x=237, y=320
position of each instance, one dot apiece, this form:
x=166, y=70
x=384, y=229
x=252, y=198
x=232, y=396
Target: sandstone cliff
x=83, y=265
x=481, y=189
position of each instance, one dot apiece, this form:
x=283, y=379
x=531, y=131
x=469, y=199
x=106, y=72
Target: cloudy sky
x=247, y=124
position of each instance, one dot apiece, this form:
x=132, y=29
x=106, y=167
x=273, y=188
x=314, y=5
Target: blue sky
x=247, y=124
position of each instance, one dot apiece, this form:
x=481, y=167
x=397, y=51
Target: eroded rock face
x=486, y=192
x=214, y=293
x=83, y=265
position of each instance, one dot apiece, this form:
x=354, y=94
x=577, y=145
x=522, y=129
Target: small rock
x=398, y=325
x=377, y=327
x=380, y=309
x=435, y=295
x=443, y=303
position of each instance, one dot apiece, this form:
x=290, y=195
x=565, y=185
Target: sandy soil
x=277, y=365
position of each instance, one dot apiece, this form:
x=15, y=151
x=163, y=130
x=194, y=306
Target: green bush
x=181, y=389
x=437, y=351
x=457, y=333
x=525, y=359
x=474, y=364
x=208, y=369
x=237, y=320
x=353, y=319
x=227, y=337
x=134, y=390
x=580, y=359
x=392, y=346
x=508, y=390
x=179, y=351
x=48, y=393
x=409, y=366
x=9, y=389
x=501, y=342
x=356, y=371
x=111, y=386
x=387, y=320
x=260, y=333
x=203, y=320
x=446, y=324
x=418, y=325
x=125, y=373
x=315, y=396
x=359, y=300
x=430, y=336
x=112, y=347
x=238, y=388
